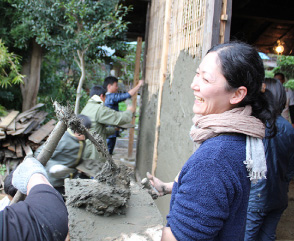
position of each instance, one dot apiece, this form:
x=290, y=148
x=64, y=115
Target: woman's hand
x=159, y=188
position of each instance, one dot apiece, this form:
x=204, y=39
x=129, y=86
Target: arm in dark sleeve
x=115, y=98
x=42, y=216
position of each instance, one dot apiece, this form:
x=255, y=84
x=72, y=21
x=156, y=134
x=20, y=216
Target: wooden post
x=211, y=28
x=162, y=77
x=134, y=98
x=225, y=21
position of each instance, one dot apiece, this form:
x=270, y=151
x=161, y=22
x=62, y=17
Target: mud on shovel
x=66, y=118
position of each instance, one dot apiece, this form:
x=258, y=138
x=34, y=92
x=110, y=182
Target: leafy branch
x=9, y=67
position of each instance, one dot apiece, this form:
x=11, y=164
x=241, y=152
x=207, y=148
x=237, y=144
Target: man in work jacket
x=101, y=117
x=66, y=157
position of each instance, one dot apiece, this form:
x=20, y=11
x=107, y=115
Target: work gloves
x=24, y=171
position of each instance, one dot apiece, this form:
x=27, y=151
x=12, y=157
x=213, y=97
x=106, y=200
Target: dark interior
x=263, y=22
x=258, y=22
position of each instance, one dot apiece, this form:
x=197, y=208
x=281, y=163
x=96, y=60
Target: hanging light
x=279, y=48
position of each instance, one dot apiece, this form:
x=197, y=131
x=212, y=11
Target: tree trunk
x=81, y=81
x=31, y=69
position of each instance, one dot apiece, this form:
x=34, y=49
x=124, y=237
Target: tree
x=20, y=39
x=9, y=69
x=31, y=68
x=285, y=65
x=75, y=29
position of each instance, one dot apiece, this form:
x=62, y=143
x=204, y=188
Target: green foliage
x=63, y=27
x=65, y=95
x=9, y=75
x=290, y=84
x=9, y=67
x=11, y=98
x=96, y=71
x=3, y=111
x=58, y=83
x=73, y=29
x=122, y=106
x=2, y=170
x=269, y=74
x=68, y=26
x=285, y=65
x=127, y=62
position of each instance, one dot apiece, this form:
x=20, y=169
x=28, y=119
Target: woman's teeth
x=199, y=99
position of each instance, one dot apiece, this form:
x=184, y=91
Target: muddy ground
x=148, y=226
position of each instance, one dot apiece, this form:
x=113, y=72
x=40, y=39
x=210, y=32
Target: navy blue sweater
x=209, y=201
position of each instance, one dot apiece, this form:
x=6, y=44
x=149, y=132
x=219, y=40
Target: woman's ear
x=238, y=95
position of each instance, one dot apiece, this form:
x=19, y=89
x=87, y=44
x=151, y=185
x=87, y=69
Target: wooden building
x=177, y=35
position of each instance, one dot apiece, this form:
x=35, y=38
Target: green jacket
x=102, y=116
x=68, y=153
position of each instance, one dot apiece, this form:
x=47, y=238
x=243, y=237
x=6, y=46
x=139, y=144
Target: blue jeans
x=110, y=144
x=261, y=226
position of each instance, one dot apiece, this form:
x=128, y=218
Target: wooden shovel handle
x=46, y=153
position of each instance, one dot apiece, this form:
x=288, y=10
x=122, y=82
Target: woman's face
x=209, y=85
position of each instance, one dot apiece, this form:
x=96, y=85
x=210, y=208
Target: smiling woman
x=210, y=88
x=210, y=194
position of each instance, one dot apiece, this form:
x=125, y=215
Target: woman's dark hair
x=97, y=90
x=9, y=189
x=241, y=65
x=279, y=94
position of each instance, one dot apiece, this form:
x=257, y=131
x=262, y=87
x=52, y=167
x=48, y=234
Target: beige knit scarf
x=237, y=120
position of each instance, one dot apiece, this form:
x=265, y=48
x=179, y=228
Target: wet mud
x=106, y=194
x=141, y=221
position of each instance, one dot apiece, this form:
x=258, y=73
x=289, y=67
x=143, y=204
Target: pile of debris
x=21, y=134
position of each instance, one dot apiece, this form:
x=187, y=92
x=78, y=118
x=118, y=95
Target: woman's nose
x=194, y=84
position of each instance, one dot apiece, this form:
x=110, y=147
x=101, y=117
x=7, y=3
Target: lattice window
x=185, y=33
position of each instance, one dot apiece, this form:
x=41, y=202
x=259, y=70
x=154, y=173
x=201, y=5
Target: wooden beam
x=162, y=77
x=11, y=147
x=29, y=111
x=134, y=98
x=146, y=40
x=143, y=73
x=211, y=29
x=8, y=119
x=272, y=20
x=41, y=133
x=225, y=21
x=12, y=126
x=18, y=150
x=27, y=149
x=2, y=133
